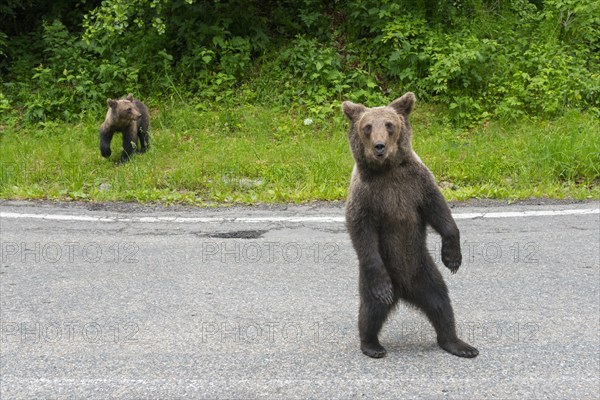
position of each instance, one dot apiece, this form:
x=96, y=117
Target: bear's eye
x=389, y=126
x=367, y=129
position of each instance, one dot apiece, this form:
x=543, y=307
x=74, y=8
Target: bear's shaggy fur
x=130, y=117
x=392, y=199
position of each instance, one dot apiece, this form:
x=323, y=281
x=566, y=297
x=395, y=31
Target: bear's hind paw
x=373, y=350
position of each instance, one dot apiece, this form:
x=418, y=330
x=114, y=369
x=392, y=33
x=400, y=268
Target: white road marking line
x=517, y=214
x=297, y=219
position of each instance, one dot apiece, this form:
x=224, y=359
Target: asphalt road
x=130, y=302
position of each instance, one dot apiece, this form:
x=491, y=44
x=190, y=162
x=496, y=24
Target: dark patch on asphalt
x=251, y=234
x=331, y=230
x=97, y=207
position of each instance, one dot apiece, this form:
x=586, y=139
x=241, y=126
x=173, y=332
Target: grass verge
x=257, y=155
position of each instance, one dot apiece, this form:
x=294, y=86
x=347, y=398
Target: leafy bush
x=478, y=58
x=70, y=81
x=530, y=61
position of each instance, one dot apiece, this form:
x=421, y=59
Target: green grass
x=257, y=155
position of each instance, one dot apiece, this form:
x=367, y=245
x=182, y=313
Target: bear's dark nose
x=379, y=148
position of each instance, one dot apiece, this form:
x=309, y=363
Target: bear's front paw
x=451, y=256
x=382, y=290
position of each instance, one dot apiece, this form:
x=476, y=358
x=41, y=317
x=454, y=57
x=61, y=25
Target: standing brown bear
x=130, y=117
x=392, y=199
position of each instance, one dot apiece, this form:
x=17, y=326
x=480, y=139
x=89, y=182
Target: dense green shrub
x=72, y=78
x=479, y=58
x=483, y=61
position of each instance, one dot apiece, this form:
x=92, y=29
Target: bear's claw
x=453, y=266
x=384, y=293
x=451, y=256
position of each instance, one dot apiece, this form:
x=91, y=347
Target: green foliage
x=69, y=82
x=3, y=43
x=505, y=62
x=311, y=74
x=4, y=105
x=479, y=59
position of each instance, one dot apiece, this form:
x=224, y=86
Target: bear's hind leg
x=430, y=294
x=130, y=142
x=144, y=140
x=371, y=317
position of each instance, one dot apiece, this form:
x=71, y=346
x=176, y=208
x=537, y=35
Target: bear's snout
x=379, y=148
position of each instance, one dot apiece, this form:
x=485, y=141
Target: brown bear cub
x=130, y=117
x=392, y=199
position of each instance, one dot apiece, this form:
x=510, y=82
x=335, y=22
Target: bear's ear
x=404, y=105
x=129, y=97
x=111, y=103
x=352, y=110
